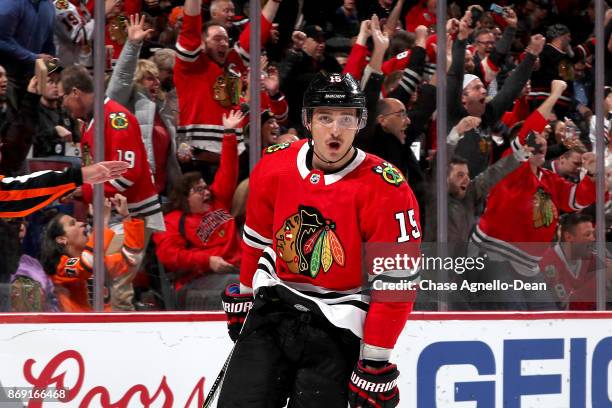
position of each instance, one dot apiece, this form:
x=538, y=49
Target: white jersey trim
x=347, y=316
x=253, y=239
x=328, y=178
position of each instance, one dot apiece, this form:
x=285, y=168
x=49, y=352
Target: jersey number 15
x=404, y=236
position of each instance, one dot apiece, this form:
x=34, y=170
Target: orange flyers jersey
x=71, y=276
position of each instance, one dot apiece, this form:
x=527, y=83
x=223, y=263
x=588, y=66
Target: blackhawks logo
x=118, y=120
x=275, y=148
x=544, y=210
x=307, y=243
x=389, y=173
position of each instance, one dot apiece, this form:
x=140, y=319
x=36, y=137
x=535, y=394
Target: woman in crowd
x=136, y=84
x=67, y=255
x=201, y=235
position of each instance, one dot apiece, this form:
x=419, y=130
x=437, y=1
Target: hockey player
x=312, y=330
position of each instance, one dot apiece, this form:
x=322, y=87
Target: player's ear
x=61, y=240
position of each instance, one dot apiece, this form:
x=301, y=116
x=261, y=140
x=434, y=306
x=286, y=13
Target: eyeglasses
x=402, y=113
x=199, y=189
x=491, y=43
x=343, y=121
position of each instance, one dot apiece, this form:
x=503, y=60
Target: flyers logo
x=72, y=261
x=70, y=269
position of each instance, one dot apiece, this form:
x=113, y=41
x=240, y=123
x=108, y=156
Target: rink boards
x=449, y=360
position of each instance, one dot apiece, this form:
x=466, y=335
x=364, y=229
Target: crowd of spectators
x=521, y=143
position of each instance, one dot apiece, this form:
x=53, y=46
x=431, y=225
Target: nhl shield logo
x=315, y=178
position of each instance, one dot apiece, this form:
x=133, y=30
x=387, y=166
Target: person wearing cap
x=270, y=130
x=467, y=95
x=301, y=64
x=55, y=129
x=557, y=62
x=20, y=126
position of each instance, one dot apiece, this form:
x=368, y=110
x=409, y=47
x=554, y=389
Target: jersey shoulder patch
x=389, y=173
x=61, y=4
x=277, y=147
x=118, y=120
x=70, y=268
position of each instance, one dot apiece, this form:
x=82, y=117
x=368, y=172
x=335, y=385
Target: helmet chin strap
x=314, y=150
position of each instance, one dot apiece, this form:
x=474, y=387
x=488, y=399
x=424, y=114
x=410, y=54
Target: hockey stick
x=215, y=387
x=210, y=398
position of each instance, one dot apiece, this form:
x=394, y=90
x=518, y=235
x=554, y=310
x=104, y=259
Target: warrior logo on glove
x=307, y=242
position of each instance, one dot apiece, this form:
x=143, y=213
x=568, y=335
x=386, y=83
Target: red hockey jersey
x=73, y=33
x=419, y=15
x=522, y=213
x=72, y=274
x=574, y=285
x=206, y=90
x=306, y=229
x=123, y=141
x=213, y=233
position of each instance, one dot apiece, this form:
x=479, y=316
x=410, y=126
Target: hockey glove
x=236, y=307
x=374, y=388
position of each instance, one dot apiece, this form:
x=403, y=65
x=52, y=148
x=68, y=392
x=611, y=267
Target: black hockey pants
x=283, y=353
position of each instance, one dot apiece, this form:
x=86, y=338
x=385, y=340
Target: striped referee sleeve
x=21, y=196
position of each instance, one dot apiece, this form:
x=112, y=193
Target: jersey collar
x=92, y=119
x=332, y=177
x=574, y=270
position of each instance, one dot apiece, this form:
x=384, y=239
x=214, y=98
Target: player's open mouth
x=483, y=100
x=334, y=145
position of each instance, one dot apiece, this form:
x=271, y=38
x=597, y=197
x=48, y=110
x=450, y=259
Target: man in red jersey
x=312, y=330
x=123, y=142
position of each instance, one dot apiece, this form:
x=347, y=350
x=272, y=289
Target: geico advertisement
x=506, y=363
x=560, y=363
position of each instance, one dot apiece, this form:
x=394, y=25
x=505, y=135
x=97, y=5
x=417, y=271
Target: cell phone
x=476, y=15
x=497, y=9
x=531, y=142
